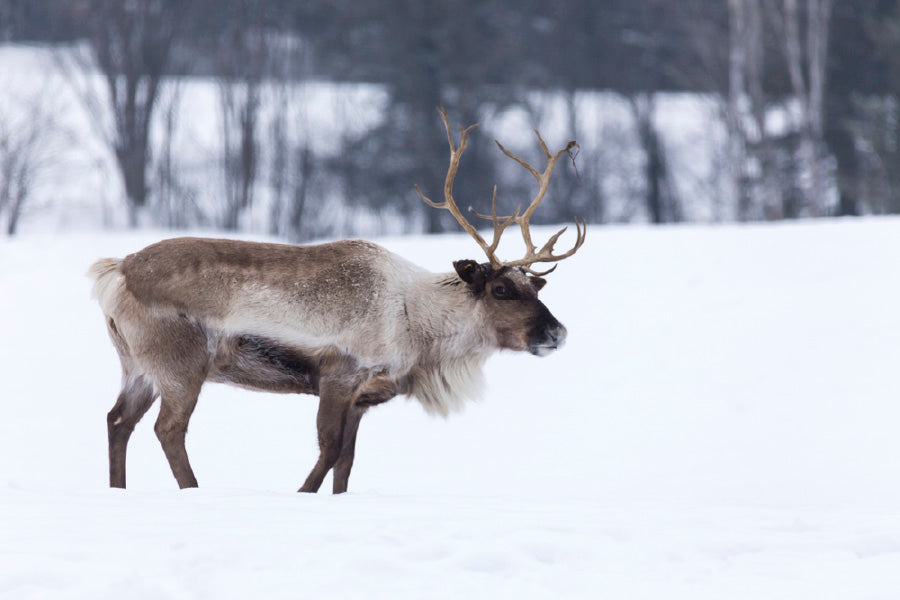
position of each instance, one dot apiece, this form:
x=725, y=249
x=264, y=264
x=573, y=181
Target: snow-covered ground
x=722, y=424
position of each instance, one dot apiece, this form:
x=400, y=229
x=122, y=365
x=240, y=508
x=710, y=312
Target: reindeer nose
x=552, y=338
x=557, y=335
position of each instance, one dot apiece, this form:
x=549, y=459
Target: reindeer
x=347, y=321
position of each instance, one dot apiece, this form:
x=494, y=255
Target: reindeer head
x=508, y=290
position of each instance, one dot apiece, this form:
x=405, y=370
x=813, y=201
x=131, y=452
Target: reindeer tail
x=107, y=282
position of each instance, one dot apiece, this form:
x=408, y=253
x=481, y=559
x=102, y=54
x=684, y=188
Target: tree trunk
x=662, y=206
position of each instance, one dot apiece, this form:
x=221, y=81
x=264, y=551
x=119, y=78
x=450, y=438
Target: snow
x=721, y=424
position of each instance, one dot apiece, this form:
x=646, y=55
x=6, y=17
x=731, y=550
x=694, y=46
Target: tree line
x=803, y=96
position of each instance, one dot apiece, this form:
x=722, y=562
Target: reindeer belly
x=263, y=364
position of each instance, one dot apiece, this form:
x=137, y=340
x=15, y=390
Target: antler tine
x=519, y=160
x=539, y=273
x=449, y=203
x=500, y=223
x=543, y=180
x=545, y=254
x=544, y=146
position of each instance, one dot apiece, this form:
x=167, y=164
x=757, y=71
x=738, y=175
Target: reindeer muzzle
x=553, y=337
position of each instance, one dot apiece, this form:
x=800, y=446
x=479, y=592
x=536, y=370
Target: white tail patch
x=107, y=282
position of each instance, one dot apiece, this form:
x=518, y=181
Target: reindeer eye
x=499, y=291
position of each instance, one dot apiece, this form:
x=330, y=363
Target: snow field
x=721, y=424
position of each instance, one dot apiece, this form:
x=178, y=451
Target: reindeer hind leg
x=134, y=400
x=179, y=373
x=171, y=426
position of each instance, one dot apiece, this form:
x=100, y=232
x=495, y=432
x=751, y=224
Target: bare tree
x=875, y=126
x=745, y=114
x=805, y=62
x=129, y=44
x=30, y=144
x=758, y=159
x=737, y=61
x=426, y=54
x=661, y=201
x=244, y=54
x=292, y=162
x=240, y=106
x=174, y=202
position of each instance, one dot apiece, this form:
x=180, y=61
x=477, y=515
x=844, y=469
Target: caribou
x=347, y=321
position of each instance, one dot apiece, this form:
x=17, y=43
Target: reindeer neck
x=444, y=315
x=446, y=328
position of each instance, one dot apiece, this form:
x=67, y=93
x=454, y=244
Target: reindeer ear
x=470, y=272
x=537, y=282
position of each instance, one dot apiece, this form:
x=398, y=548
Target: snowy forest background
x=309, y=119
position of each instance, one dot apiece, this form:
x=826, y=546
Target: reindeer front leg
x=335, y=401
x=348, y=449
x=341, y=407
x=377, y=389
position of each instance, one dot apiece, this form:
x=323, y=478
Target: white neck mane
x=452, y=347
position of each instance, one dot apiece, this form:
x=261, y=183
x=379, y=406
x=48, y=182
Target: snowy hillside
x=722, y=424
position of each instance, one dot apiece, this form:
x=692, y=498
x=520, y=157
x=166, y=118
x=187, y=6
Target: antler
x=450, y=204
x=532, y=255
